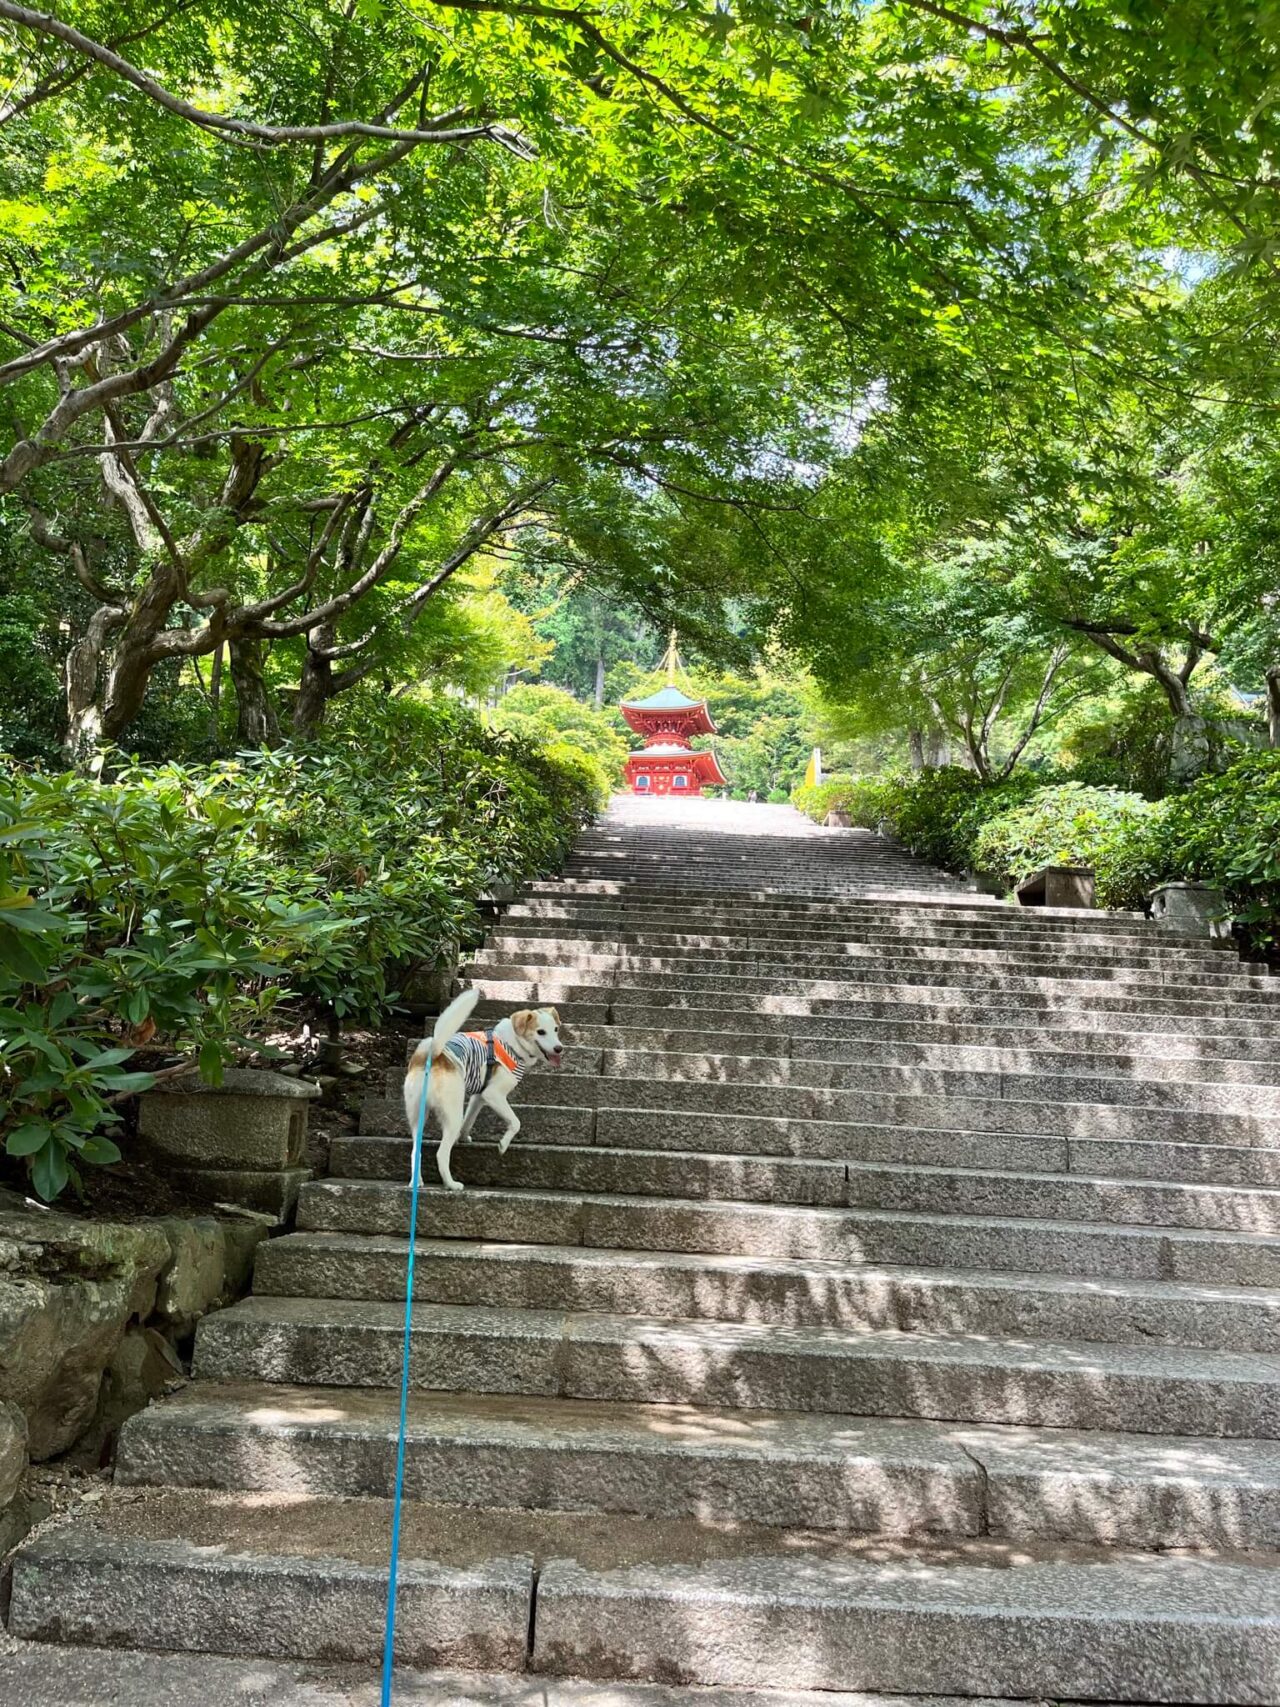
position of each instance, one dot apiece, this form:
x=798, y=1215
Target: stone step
x=733, y=922
x=46, y=1675
x=276, y=1576
x=690, y=1099
x=727, y=1139
x=777, y=1469
x=790, y=1470
x=996, y=1005
x=736, y=1607
x=858, y=1037
x=903, y=921
x=903, y=908
x=859, y=960
x=753, y=975
x=560, y=937
x=646, y=1360
x=1100, y=1081
x=775, y=1291
x=1014, y=1026
x=621, y=1222
x=792, y=1057
x=1178, y=1630
x=956, y=1183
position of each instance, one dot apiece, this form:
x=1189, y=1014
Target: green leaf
x=27, y=1139
x=50, y=1170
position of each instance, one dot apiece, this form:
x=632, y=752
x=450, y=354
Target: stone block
x=71, y=1288
x=271, y=1192
x=145, y=1366
x=193, y=1280
x=251, y=1120
x=13, y=1451
x=1191, y=909
x=1057, y=886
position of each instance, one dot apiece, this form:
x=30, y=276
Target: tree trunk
x=256, y=722
x=1273, y=705
x=599, y=693
x=937, y=750
x=104, y=690
x=316, y=686
x=915, y=741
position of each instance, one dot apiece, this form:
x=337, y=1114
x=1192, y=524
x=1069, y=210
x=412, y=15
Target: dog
x=475, y=1069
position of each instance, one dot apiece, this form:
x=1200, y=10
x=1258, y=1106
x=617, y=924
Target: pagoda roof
x=669, y=698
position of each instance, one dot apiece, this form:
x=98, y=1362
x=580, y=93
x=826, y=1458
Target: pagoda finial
x=671, y=663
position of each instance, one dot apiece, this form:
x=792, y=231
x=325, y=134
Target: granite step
x=955, y=1183
x=625, y=1598
x=995, y=1005
x=858, y=922
x=1062, y=1115
x=382, y=1152
x=1012, y=1025
x=846, y=942
x=788, y=1470
x=793, y=1057
x=49, y=1675
x=982, y=1620
x=776, y=1291
x=780, y=1469
x=855, y=960
x=1099, y=1080
x=634, y=1223
x=699, y=976
x=1151, y=1389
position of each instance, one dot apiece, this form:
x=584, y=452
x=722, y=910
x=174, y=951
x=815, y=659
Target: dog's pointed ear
x=555, y=1014
x=525, y=1022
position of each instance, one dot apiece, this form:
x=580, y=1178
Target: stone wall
x=95, y=1319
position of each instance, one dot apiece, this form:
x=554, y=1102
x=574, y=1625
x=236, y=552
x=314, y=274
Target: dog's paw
x=453, y=1185
x=504, y=1144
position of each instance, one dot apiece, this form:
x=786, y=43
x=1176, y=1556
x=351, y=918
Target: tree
x=539, y=714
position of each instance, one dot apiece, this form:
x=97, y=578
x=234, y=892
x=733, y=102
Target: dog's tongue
x=553, y=1060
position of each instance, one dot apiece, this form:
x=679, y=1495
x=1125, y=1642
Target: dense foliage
x=1223, y=829
x=177, y=907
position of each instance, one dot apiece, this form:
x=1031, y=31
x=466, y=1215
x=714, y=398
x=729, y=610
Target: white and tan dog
x=475, y=1069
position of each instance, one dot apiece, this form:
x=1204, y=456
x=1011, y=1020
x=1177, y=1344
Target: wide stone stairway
x=886, y=1297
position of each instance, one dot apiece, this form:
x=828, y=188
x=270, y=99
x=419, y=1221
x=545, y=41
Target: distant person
x=753, y=797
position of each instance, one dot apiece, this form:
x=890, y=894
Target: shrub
x=176, y=906
x=1225, y=830
x=937, y=813
x=863, y=798
x=1072, y=824
x=546, y=717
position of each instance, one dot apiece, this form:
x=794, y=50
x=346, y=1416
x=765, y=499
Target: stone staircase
x=886, y=1297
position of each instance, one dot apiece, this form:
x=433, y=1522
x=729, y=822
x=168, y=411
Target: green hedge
x=863, y=798
x=1108, y=829
x=1223, y=829
x=177, y=906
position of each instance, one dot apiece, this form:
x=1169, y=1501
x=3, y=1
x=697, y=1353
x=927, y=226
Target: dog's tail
x=450, y=1023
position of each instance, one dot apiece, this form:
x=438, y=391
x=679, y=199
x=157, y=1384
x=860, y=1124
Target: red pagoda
x=668, y=720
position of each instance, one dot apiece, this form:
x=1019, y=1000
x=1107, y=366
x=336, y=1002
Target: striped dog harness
x=479, y=1053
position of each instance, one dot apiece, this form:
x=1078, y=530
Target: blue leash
x=388, y=1650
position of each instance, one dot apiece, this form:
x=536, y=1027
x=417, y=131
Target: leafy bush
x=865, y=799
x=546, y=717
x=176, y=906
x=1072, y=824
x=1225, y=830
x=938, y=813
